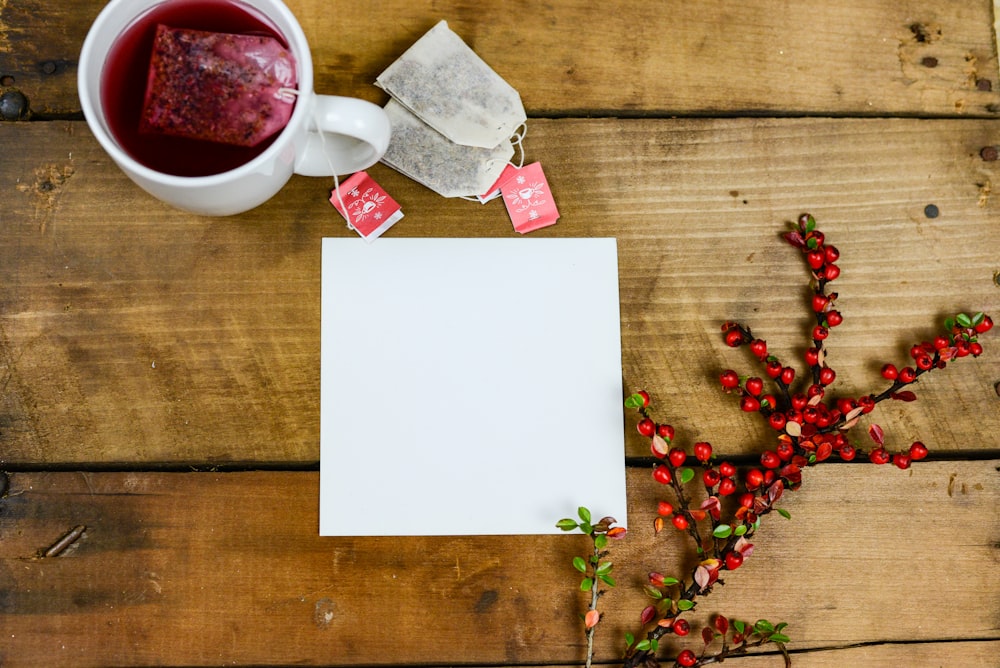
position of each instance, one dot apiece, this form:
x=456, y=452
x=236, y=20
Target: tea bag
x=447, y=168
x=232, y=89
x=443, y=82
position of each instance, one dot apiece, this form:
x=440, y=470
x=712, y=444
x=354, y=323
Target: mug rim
x=97, y=121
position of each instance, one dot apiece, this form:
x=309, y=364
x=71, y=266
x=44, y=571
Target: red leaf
x=591, y=619
x=647, y=614
x=617, y=533
x=877, y=434
x=707, y=635
x=795, y=239
x=824, y=451
x=905, y=395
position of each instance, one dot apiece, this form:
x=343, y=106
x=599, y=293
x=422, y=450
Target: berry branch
x=809, y=428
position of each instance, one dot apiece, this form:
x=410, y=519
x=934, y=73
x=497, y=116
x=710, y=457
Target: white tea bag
x=428, y=157
x=449, y=87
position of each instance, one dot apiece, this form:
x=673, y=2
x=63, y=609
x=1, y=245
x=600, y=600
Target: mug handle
x=345, y=135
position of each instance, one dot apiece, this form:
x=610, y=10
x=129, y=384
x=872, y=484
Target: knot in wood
x=13, y=106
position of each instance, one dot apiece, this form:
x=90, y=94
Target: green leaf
x=670, y=581
x=567, y=524
x=586, y=584
x=600, y=541
x=810, y=223
x=653, y=592
x=784, y=513
x=812, y=244
x=780, y=626
x=739, y=626
x=586, y=528
x=580, y=564
x=686, y=475
x=604, y=568
x=634, y=401
x=684, y=604
x=607, y=579
x=643, y=645
x=740, y=530
x=779, y=637
x=763, y=626
x=722, y=531
x=963, y=320
x=629, y=639
x=949, y=323
x=584, y=514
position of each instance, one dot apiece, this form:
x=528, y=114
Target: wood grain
x=134, y=333
x=212, y=569
x=917, y=57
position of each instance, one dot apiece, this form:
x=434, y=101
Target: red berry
x=819, y=302
x=687, y=658
x=812, y=356
x=754, y=386
x=680, y=522
x=677, y=457
x=831, y=272
x=867, y=404
x=773, y=368
x=940, y=343
x=703, y=451
x=785, y=451
x=754, y=479
x=759, y=348
x=827, y=375
x=799, y=401
x=727, y=469
x=925, y=362
x=889, y=372
x=879, y=456
x=746, y=500
x=984, y=326
x=846, y=405
x=832, y=254
x=820, y=332
x=666, y=432
x=661, y=474
x=749, y=404
x=816, y=258
x=907, y=375
x=901, y=461
x=711, y=477
x=734, y=338
x=918, y=451
x=787, y=375
x=663, y=508
x=777, y=421
x=727, y=486
x=975, y=349
x=681, y=627
x=815, y=391
x=770, y=459
x=729, y=379
x=645, y=398
x=734, y=560
x=834, y=318
x=646, y=427
x=847, y=452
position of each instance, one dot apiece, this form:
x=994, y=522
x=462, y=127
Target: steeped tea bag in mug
x=443, y=82
x=231, y=89
x=447, y=168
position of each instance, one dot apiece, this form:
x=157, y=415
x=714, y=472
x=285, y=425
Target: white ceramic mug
x=355, y=133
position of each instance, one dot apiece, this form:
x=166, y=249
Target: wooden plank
x=208, y=568
x=576, y=57
x=131, y=332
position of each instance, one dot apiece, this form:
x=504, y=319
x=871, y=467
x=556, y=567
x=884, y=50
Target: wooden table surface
x=159, y=371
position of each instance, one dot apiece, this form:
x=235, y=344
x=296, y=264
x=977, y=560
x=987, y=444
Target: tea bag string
x=516, y=141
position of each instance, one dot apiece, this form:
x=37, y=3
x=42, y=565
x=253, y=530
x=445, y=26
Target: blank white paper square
x=469, y=386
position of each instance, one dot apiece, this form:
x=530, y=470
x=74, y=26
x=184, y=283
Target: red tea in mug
x=127, y=72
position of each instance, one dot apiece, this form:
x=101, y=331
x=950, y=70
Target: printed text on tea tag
x=528, y=199
x=368, y=209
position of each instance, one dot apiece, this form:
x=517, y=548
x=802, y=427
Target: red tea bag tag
x=528, y=199
x=368, y=209
x=230, y=89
